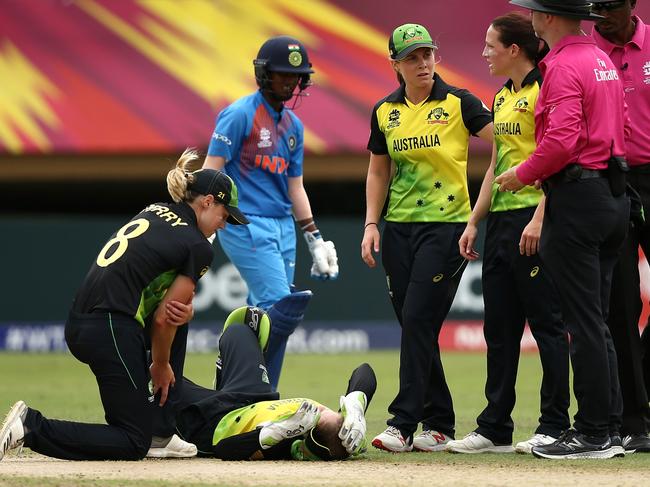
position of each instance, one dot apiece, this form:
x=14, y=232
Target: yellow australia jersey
x=246, y=419
x=514, y=136
x=428, y=144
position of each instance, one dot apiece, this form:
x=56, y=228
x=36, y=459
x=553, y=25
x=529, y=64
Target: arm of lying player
x=353, y=430
x=360, y=391
x=291, y=426
x=323, y=252
x=246, y=446
x=271, y=439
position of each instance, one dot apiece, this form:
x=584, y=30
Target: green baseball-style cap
x=224, y=190
x=406, y=39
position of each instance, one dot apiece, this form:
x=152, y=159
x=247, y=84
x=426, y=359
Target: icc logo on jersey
x=265, y=138
x=393, y=119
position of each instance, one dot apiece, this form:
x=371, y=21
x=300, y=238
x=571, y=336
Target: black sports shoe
x=573, y=445
x=617, y=445
x=639, y=443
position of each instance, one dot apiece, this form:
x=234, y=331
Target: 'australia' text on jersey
x=422, y=142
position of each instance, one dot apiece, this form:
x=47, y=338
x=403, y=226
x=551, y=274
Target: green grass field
x=61, y=387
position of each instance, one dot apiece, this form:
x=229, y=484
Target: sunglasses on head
x=607, y=5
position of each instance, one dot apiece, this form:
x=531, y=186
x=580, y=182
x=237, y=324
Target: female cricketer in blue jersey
x=259, y=143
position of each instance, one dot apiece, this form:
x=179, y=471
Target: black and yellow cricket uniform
x=515, y=286
x=427, y=211
x=224, y=423
x=105, y=330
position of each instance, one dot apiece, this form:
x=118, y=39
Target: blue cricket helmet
x=282, y=54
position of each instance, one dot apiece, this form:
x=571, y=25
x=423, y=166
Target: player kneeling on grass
x=243, y=417
x=138, y=290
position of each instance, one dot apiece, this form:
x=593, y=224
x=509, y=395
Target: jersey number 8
x=121, y=239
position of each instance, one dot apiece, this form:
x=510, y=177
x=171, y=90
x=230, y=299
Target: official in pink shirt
x=626, y=40
x=580, y=125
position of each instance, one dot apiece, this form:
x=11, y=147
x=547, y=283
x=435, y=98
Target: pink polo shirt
x=580, y=113
x=633, y=63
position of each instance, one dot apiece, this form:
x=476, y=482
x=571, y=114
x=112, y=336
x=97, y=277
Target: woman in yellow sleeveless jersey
x=515, y=285
x=423, y=128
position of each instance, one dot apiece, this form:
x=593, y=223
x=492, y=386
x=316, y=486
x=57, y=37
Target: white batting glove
x=318, y=251
x=323, y=253
x=295, y=424
x=353, y=431
x=332, y=260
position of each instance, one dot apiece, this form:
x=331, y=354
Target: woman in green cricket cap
x=423, y=128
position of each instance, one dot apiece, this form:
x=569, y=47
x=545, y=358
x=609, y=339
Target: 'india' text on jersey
x=262, y=149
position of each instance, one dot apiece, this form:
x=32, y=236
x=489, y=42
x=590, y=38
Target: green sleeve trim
x=153, y=294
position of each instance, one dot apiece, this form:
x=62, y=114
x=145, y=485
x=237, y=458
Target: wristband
x=368, y=224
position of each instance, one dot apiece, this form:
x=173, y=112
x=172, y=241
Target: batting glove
x=332, y=260
x=289, y=426
x=323, y=254
x=353, y=431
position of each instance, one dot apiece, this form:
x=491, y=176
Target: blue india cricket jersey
x=262, y=148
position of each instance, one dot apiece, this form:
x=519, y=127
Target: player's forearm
x=484, y=200
x=239, y=447
x=299, y=202
x=162, y=336
x=376, y=191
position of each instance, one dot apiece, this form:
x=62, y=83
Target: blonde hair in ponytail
x=179, y=177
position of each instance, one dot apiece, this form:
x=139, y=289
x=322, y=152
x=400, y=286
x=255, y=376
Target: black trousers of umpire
x=423, y=268
x=516, y=287
x=625, y=310
x=584, y=227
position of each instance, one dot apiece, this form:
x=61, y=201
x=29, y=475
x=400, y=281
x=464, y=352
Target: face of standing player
x=540, y=22
x=211, y=216
x=618, y=16
x=500, y=59
x=417, y=68
x=282, y=85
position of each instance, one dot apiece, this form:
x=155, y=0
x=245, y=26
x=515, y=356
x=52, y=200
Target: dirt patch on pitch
x=351, y=473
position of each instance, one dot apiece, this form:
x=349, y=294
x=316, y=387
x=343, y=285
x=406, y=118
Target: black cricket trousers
x=516, y=287
x=423, y=268
x=114, y=347
x=584, y=227
x=624, y=312
x=243, y=380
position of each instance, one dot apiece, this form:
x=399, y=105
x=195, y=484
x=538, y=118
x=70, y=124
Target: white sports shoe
x=431, y=440
x=172, y=447
x=12, y=431
x=537, y=440
x=392, y=440
x=477, y=443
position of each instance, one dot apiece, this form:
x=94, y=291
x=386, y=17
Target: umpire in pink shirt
x=580, y=124
x=626, y=39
